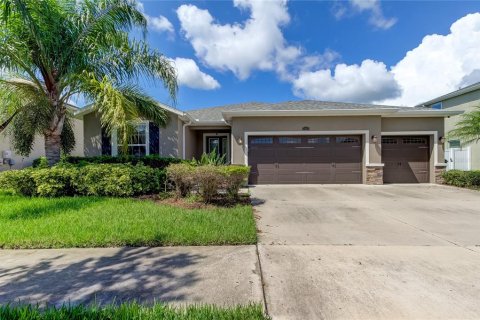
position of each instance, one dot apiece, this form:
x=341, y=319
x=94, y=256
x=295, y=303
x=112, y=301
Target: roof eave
x=451, y=95
x=90, y=108
x=423, y=114
x=227, y=115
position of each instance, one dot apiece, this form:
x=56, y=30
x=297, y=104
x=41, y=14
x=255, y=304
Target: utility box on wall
x=7, y=158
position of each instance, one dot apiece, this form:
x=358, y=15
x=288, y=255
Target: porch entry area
x=206, y=140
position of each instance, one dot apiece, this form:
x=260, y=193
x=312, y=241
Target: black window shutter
x=154, y=133
x=106, y=143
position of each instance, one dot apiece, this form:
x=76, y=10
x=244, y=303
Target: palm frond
x=468, y=128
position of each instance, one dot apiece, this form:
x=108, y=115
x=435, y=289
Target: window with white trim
x=138, y=144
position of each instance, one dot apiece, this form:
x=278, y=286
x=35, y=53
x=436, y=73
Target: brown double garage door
x=305, y=159
x=334, y=159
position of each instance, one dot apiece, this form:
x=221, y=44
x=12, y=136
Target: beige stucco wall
x=467, y=103
x=258, y=124
x=38, y=147
x=92, y=131
x=170, y=136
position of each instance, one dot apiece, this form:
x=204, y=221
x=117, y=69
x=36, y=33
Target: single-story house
x=458, y=155
x=297, y=142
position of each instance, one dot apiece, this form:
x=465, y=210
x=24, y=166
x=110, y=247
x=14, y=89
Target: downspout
x=185, y=125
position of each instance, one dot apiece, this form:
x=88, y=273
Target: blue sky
x=352, y=51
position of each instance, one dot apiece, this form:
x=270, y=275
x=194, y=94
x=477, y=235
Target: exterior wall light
x=374, y=139
x=442, y=140
x=240, y=141
x=306, y=128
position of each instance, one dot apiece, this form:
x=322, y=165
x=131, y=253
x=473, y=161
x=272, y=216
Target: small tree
x=53, y=50
x=468, y=128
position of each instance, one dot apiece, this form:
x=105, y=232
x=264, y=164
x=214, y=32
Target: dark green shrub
x=235, y=177
x=18, y=181
x=116, y=180
x=153, y=161
x=181, y=174
x=464, y=179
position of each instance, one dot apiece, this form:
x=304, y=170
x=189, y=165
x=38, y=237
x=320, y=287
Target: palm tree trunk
x=53, y=146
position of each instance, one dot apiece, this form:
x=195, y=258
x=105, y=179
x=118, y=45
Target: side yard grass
x=109, y=222
x=133, y=311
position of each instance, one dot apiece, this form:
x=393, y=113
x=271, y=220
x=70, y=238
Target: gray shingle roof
x=215, y=113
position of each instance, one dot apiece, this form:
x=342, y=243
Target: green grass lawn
x=133, y=311
x=109, y=222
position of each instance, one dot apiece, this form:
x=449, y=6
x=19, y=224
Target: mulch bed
x=191, y=203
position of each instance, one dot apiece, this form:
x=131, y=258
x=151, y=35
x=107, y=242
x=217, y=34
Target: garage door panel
x=307, y=159
x=406, y=159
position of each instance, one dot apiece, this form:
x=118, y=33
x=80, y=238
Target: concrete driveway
x=366, y=252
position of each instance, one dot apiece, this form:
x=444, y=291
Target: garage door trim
x=420, y=133
x=365, y=136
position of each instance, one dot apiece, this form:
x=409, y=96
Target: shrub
x=209, y=180
x=464, y=179
x=234, y=178
x=154, y=161
x=181, y=174
x=18, y=181
x=211, y=158
x=54, y=182
x=117, y=180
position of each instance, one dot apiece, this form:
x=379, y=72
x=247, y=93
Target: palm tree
x=468, y=128
x=53, y=50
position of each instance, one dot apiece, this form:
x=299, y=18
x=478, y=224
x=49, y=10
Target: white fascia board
x=90, y=108
x=423, y=114
x=197, y=122
x=227, y=115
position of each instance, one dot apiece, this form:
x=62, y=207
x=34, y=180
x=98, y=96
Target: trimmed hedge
x=209, y=180
x=116, y=180
x=153, y=161
x=464, y=179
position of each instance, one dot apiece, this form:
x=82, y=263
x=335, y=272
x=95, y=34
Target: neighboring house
x=38, y=147
x=297, y=142
x=463, y=157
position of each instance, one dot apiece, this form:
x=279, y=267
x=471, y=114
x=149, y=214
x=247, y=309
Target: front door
x=219, y=144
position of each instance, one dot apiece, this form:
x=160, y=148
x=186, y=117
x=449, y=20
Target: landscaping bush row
x=208, y=180
x=154, y=161
x=464, y=179
x=117, y=180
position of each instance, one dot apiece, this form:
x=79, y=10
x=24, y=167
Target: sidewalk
x=222, y=275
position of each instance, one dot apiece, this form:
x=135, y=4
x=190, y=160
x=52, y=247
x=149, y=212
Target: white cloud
x=373, y=7
x=441, y=63
x=255, y=44
x=159, y=24
x=370, y=81
x=438, y=65
x=189, y=75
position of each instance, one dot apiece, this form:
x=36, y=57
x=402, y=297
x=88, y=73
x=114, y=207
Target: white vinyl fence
x=458, y=158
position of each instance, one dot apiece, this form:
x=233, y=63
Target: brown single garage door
x=305, y=159
x=406, y=159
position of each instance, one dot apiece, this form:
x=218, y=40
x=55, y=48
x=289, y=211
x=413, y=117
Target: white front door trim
x=420, y=133
x=365, y=133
